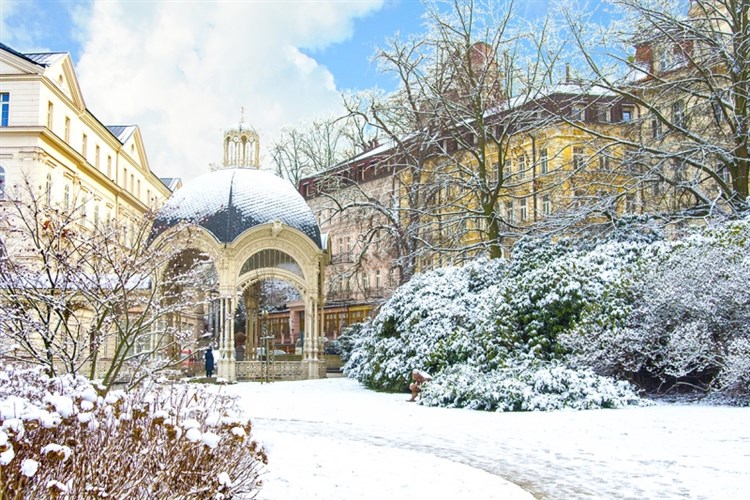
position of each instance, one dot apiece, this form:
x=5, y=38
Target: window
x=655, y=126
x=717, y=109
x=578, y=112
x=509, y=216
x=66, y=197
x=48, y=188
x=628, y=113
x=84, y=145
x=678, y=114
x=366, y=281
x=543, y=161
x=578, y=158
x=348, y=244
x=125, y=178
x=84, y=207
x=602, y=113
x=138, y=189
x=377, y=278
x=109, y=166
x=67, y=129
x=97, y=162
x=341, y=246
x=726, y=175
x=4, y=108
x=664, y=60
x=507, y=169
x=630, y=203
x=603, y=162
x=132, y=182
x=546, y=205
x=523, y=211
x=96, y=214
x=522, y=167
x=2, y=183
x=50, y=114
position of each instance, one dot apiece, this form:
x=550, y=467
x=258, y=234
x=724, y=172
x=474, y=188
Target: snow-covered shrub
x=526, y=383
x=548, y=288
x=680, y=318
x=59, y=438
x=430, y=323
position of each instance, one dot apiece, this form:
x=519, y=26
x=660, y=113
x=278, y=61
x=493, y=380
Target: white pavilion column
x=311, y=338
x=227, y=363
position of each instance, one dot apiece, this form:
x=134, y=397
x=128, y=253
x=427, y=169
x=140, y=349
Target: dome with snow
x=230, y=201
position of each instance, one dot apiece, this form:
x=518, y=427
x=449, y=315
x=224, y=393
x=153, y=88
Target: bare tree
x=468, y=93
x=305, y=150
x=83, y=295
x=686, y=68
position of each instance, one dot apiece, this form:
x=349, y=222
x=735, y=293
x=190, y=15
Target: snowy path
x=333, y=439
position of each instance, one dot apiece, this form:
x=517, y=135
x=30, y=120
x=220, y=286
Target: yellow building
x=48, y=135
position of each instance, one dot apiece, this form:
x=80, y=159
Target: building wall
x=56, y=142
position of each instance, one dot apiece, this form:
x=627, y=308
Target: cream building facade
x=50, y=137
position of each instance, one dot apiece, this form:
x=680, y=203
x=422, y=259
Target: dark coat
x=209, y=361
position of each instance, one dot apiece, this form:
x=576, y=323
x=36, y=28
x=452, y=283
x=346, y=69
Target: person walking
x=209, y=362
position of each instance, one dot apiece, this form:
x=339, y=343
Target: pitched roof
x=122, y=132
x=45, y=58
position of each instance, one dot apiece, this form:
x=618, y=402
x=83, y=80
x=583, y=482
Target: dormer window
x=628, y=113
x=578, y=112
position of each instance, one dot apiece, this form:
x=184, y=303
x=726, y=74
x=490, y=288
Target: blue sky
x=49, y=25
x=182, y=70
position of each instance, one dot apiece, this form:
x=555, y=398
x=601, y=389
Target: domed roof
x=228, y=202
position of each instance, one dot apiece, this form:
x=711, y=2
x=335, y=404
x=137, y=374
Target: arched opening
x=189, y=277
x=273, y=259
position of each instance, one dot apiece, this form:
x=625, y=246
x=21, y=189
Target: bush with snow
x=679, y=319
x=526, y=383
x=58, y=437
x=430, y=323
x=631, y=307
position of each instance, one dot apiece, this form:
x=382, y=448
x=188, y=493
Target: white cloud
x=182, y=70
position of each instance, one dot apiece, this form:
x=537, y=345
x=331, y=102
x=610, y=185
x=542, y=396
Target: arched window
x=272, y=258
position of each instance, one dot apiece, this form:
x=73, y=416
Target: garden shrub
x=59, y=438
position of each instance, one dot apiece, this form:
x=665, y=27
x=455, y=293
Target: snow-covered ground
x=333, y=439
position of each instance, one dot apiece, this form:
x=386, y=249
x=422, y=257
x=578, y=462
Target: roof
x=230, y=201
x=45, y=58
x=122, y=132
x=18, y=54
x=171, y=182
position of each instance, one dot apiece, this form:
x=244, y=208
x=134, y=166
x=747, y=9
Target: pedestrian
x=209, y=362
x=419, y=378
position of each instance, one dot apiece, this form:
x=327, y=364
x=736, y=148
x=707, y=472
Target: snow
x=57, y=449
x=210, y=439
x=29, y=467
x=63, y=405
x=193, y=435
x=332, y=438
